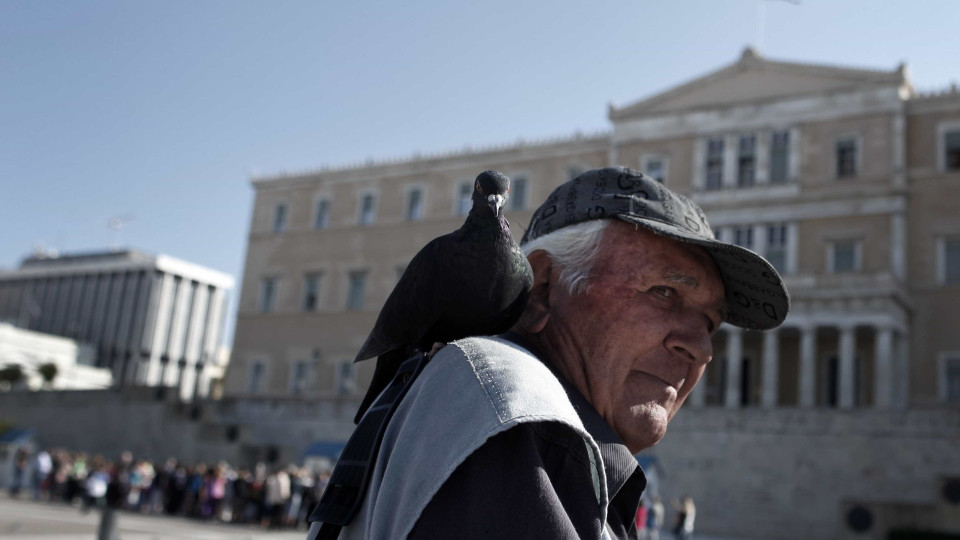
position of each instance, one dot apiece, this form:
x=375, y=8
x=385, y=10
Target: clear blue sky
x=162, y=110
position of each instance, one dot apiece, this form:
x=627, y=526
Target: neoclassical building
x=846, y=179
x=841, y=177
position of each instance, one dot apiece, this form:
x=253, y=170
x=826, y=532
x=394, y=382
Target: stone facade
x=846, y=179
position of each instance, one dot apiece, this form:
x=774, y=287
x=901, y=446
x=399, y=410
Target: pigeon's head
x=490, y=190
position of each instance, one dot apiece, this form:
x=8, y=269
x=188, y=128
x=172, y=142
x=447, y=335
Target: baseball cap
x=756, y=296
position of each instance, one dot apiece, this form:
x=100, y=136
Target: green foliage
x=49, y=372
x=11, y=374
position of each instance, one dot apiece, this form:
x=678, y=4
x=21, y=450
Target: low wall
x=795, y=474
x=789, y=474
x=241, y=431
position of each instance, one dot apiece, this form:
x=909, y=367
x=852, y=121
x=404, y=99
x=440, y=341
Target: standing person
x=42, y=466
x=655, y=518
x=276, y=495
x=532, y=434
x=641, y=519
x=20, y=466
x=113, y=501
x=686, y=514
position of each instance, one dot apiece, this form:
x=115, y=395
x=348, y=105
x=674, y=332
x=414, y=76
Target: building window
x=346, y=378
x=255, y=377
x=268, y=295
x=519, y=186
x=358, y=282
x=951, y=150
x=322, y=217
x=743, y=236
x=714, y=164
x=950, y=371
x=779, y=156
x=844, y=256
x=311, y=290
x=655, y=167
x=464, y=197
x=280, y=218
x=368, y=209
x=776, y=252
x=949, y=258
x=746, y=161
x=299, y=377
x=846, y=153
x=415, y=204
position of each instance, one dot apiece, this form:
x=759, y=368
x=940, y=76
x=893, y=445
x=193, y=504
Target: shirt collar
x=619, y=465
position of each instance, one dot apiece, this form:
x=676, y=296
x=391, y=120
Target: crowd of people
x=277, y=497
x=650, y=518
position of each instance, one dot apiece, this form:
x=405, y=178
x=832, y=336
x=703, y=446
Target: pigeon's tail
x=387, y=365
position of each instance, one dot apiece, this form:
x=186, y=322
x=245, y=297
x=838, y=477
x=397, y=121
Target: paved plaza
x=26, y=519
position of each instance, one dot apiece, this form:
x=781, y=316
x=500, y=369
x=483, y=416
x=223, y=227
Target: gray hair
x=573, y=249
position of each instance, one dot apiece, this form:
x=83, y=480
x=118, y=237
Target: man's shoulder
x=512, y=381
x=471, y=391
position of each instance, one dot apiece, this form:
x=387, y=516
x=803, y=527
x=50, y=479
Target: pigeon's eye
x=507, y=191
x=478, y=187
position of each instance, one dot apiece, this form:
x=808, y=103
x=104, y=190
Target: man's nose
x=690, y=339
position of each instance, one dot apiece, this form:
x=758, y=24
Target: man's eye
x=664, y=291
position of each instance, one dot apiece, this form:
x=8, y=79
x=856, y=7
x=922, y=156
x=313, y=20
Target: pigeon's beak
x=496, y=203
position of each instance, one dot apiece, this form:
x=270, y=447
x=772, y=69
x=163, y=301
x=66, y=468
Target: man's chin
x=647, y=425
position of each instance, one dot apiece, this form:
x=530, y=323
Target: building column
x=904, y=372
x=698, y=397
x=155, y=341
x=762, y=157
x=731, y=150
x=883, y=367
x=734, y=364
x=808, y=366
x=898, y=245
x=182, y=382
x=771, y=368
x=198, y=369
x=613, y=154
x=848, y=384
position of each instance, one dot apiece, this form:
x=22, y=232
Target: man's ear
x=537, y=313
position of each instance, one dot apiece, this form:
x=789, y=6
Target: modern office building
x=846, y=179
x=152, y=320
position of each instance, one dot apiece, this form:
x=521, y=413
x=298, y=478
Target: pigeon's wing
x=411, y=309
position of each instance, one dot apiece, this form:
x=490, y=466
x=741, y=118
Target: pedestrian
x=641, y=519
x=532, y=434
x=42, y=466
x=20, y=466
x=686, y=514
x=655, y=518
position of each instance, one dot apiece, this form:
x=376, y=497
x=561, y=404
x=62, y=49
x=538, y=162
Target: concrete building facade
x=846, y=179
x=152, y=320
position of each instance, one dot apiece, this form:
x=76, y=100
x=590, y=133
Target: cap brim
x=756, y=296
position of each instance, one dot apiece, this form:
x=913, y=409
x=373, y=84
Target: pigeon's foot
x=436, y=348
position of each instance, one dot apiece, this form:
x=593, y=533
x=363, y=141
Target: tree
x=49, y=372
x=11, y=374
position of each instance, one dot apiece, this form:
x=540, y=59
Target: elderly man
x=532, y=434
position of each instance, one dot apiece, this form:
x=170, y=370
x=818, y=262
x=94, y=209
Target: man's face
x=638, y=340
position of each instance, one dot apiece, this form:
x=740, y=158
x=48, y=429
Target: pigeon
x=474, y=281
